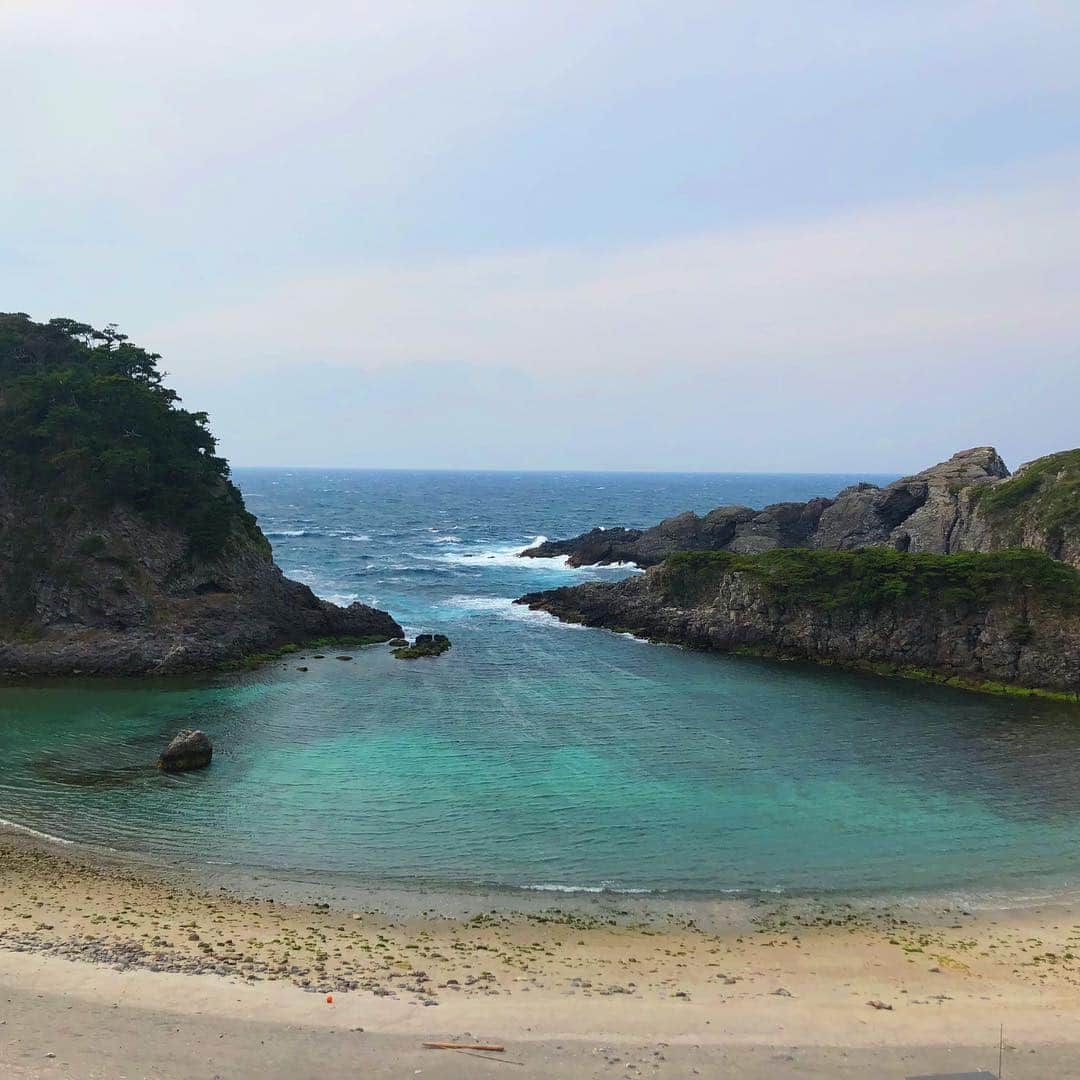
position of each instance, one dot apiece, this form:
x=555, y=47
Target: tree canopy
x=86, y=408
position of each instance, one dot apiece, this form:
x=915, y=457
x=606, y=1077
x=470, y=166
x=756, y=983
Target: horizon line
x=581, y=471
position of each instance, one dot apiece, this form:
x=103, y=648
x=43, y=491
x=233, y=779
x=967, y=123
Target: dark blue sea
x=538, y=755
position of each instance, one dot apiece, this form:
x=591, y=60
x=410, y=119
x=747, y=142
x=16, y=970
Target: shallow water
x=535, y=754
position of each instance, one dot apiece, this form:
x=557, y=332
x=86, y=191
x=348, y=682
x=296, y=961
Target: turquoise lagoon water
x=539, y=755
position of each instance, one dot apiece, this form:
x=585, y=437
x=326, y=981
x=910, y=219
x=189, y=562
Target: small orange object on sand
x=329, y=999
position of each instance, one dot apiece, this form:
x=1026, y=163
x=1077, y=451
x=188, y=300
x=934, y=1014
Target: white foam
x=341, y=599
x=358, y=537
x=505, y=555
x=510, y=556
x=503, y=607
x=482, y=603
x=604, y=887
x=450, y=538
x=289, y=532
x=14, y=825
x=641, y=640
x=301, y=574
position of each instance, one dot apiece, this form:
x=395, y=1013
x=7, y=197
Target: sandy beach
x=108, y=971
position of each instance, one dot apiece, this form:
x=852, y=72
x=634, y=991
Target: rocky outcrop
x=1010, y=619
x=188, y=750
x=117, y=596
x=604, y=546
x=424, y=645
x=967, y=503
x=124, y=546
x=1038, y=507
x=91, y=591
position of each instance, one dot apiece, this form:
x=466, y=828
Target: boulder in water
x=424, y=645
x=188, y=750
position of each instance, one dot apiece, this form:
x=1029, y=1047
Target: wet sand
x=117, y=971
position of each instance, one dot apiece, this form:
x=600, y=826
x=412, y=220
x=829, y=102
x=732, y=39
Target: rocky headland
x=968, y=503
x=963, y=572
x=124, y=547
x=1008, y=620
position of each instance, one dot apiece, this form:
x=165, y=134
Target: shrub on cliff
x=1045, y=492
x=84, y=410
x=874, y=577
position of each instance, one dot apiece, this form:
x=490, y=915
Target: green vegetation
x=1046, y=493
x=251, y=661
x=875, y=577
x=92, y=546
x=425, y=645
x=85, y=412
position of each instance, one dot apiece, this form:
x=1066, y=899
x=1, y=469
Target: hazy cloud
x=616, y=222
x=990, y=272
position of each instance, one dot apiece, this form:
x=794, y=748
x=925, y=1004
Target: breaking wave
x=503, y=607
x=603, y=887
x=507, y=555
x=16, y=827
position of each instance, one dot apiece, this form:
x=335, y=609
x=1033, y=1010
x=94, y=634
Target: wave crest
x=503, y=607
x=603, y=887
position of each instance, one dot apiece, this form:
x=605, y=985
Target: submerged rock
x=425, y=645
x=83, y=774
x=188, y=750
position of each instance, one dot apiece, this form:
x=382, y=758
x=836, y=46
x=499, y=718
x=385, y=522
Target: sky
x=815, y=235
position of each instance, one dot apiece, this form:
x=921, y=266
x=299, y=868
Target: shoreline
x=241, y=663
x=708, y=908
x=558, y=980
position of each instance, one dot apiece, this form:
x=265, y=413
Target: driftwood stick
x=464, y=1046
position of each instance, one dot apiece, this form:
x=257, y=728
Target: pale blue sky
x=814, y=235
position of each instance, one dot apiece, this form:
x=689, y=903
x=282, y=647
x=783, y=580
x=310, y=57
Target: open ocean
x=537, y=755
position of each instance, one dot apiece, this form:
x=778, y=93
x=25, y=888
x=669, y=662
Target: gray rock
x=151, y=607
x=931, y=525
x=188, y=750
x=424, y=645
x=1017, y=636
x=931, y=511
x=851, y=521
x=597, y=546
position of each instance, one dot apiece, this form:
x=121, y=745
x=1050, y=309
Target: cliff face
x=975, y=618
x=967, y=503
x=110, y=593
x=124, y=547
x=1038, y=507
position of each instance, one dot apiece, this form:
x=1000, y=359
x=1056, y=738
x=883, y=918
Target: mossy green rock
x=1037, y=507
x=424, y=645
